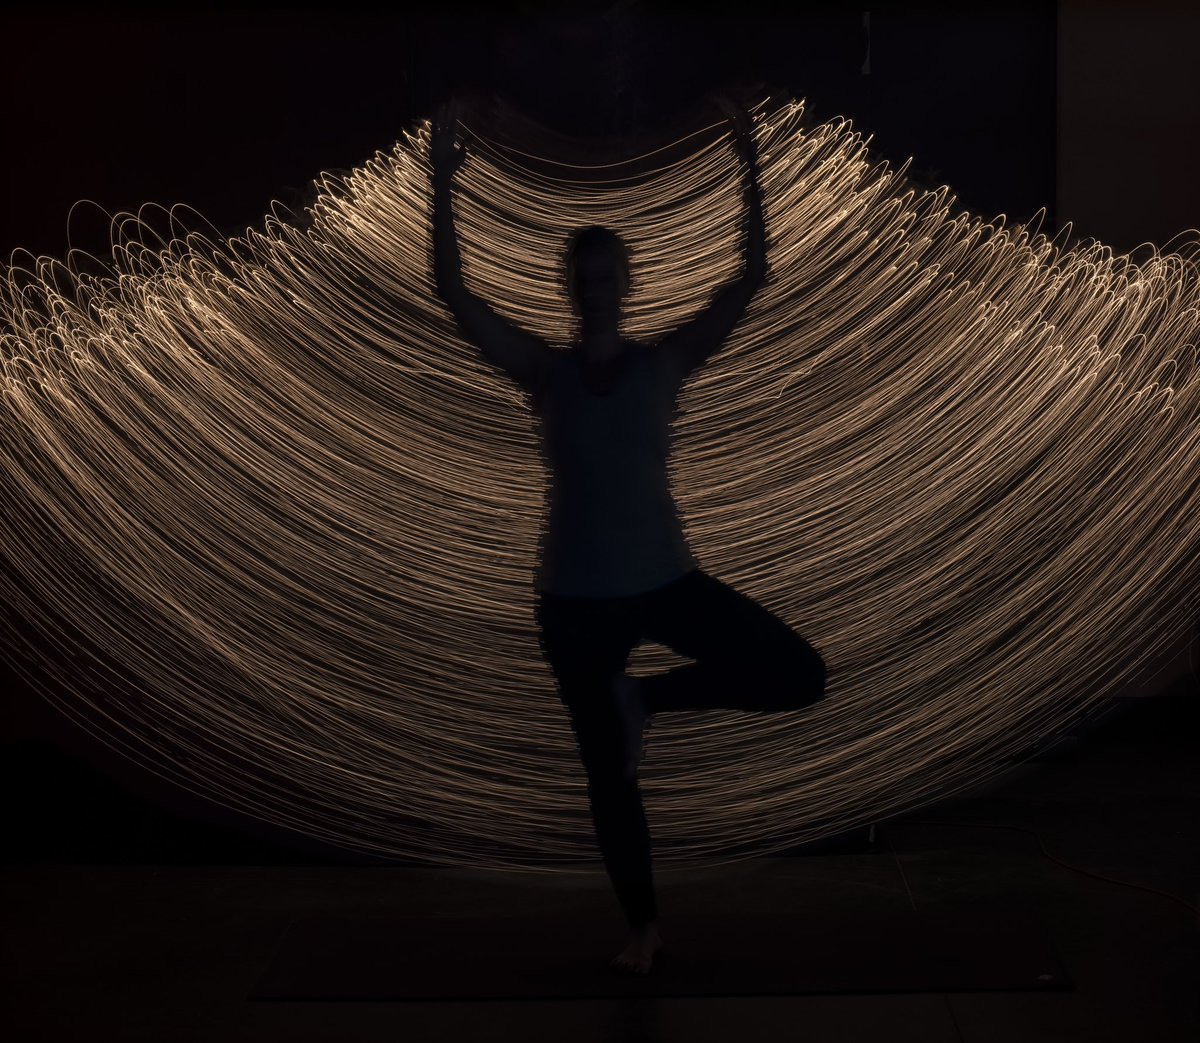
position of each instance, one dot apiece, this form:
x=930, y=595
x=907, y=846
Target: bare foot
x=637, y=956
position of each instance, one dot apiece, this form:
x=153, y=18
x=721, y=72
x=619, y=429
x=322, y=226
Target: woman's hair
x=599, y=239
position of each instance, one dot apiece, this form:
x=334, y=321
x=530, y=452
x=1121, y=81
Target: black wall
x=225, y=111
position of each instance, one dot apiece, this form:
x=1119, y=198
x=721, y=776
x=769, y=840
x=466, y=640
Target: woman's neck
x=599, y=336
x=601, y=371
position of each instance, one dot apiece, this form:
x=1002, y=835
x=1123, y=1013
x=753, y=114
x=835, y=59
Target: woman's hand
x=446, y=153
x=741, y=124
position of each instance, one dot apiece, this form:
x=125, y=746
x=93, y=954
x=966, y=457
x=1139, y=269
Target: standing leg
x=747, y=658
x=586, y=641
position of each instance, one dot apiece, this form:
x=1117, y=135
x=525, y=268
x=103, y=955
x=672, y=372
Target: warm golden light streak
x=269, y=478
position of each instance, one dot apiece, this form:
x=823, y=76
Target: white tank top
x=613, y=529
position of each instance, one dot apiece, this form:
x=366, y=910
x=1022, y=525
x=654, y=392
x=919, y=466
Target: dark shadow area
x=953, y=926
x=224, y=111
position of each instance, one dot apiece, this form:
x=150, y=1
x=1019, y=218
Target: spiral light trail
x=267, y=477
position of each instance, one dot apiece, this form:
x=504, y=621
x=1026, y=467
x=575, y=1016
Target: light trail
x=268, y=478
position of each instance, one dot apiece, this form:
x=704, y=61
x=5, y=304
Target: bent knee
x=799, y=686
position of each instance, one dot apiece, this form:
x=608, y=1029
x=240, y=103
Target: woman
x=615, y=568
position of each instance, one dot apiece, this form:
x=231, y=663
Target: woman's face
x=599, y=287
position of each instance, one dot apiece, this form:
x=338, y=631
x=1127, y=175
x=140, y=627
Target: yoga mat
x=412, y=958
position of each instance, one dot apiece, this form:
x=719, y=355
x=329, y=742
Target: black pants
x=747, y=658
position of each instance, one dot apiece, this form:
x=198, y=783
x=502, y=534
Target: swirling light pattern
x=268, y=477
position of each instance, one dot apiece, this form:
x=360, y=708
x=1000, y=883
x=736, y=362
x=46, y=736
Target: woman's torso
x=613, y=527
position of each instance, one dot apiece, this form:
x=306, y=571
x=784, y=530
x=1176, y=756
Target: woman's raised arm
x=522, y=355
x=700, y=337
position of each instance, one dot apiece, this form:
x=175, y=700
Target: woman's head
x=597, y=273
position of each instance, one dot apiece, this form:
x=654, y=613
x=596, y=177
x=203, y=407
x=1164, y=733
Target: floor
x=170, y=952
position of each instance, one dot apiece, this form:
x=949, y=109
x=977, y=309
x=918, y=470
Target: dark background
x=1086, y=110
x=226, y=111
